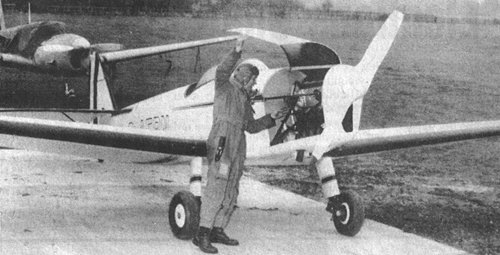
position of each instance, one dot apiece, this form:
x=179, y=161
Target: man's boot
x=202, y=240
x=218, y=236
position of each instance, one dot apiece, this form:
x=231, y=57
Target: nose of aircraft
x=79, y=54
x=71, y=40
x=79, y=41
x=64, y=53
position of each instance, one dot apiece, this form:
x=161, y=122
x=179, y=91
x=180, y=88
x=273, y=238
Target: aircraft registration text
x=155, y=123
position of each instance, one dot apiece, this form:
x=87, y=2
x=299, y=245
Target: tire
x=184, y=215
x=349, y=214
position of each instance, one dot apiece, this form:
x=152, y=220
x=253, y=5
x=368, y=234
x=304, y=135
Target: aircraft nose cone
x=80, y=42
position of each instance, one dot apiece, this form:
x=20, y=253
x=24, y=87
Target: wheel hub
x=180, y=215
x=343, y=213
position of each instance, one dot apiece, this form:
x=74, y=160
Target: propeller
x=346, y=85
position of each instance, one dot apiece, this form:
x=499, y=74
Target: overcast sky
x=455, y=8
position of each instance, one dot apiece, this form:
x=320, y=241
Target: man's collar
x=239, y=86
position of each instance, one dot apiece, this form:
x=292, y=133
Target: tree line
x=43, y=5
x=168, y=5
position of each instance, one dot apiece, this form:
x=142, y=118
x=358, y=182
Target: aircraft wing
x=132, y=144
x=124, y=55
x=375, y=140
x=96, y=141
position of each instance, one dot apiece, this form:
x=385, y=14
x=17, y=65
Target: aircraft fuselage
x=190, y=117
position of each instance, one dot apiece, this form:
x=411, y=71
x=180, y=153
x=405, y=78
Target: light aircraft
x=174, y=125
x=46, y=47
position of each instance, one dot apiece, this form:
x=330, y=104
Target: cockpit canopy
x=300, y=55
x=310, y=54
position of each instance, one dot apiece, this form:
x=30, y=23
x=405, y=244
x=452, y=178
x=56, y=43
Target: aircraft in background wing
x=46, y=47
x=176, y=124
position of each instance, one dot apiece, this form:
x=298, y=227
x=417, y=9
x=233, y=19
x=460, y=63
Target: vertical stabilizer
x=2, y=19
x=100, y=96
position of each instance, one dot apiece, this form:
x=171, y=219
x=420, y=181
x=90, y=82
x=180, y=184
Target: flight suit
x=233, y=115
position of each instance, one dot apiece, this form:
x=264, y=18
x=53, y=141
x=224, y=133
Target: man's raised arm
x=225, y=69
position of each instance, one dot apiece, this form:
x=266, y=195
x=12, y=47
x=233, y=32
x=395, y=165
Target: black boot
x=202, y=240
x=218, y=236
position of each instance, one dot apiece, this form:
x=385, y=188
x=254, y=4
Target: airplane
x=45, y=47
x=173, y=126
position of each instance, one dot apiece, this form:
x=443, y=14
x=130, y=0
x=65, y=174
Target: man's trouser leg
x=231, y=193
x=213, y=194
x=218, y=184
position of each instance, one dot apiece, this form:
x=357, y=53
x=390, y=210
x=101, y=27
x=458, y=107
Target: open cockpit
x=301, y=92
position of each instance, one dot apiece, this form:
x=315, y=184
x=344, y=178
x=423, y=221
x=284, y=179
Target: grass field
x=434, y=73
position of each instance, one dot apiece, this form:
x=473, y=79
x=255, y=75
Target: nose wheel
x=184, y=215
x=348, y=213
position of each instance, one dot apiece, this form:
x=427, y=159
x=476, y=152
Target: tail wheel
x=184, y=215
x=349, y=214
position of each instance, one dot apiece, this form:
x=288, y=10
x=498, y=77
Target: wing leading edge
x=51, y=136
x=92, y=140
x=375, y=140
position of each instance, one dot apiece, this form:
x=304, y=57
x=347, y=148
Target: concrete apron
x=64, y=205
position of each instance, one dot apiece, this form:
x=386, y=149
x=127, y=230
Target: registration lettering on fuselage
x=156, y=123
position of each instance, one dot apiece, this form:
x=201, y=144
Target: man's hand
x=254, y=93
x=280, y=113
x=239, y=43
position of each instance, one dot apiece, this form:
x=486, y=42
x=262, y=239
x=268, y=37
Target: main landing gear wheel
x=184, y=215
x=349, y=213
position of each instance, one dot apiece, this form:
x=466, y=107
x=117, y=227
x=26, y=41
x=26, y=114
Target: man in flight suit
x=233, y=115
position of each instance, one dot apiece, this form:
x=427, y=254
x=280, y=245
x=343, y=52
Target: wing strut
x=124, y=55
x=99, y=96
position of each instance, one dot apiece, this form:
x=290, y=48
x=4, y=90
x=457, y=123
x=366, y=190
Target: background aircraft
x=176, y=123
x=46, y=47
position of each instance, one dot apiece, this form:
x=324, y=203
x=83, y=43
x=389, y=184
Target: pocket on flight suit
x=222, y=161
